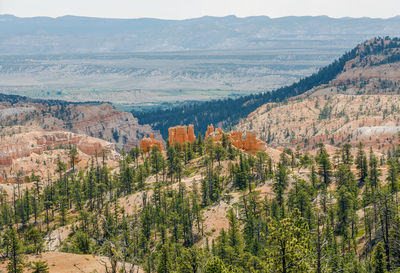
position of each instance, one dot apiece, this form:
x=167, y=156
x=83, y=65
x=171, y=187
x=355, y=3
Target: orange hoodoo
x=236, y=139
x=250, y=143
x=191, y=136
x=210, y=130
x=147, y=143
x=181, y=134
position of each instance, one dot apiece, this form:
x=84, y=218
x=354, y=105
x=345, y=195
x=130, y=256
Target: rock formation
x=99, y=120
x=191, y=135
x=147, y=143
x=103, y=121
x=180, y=134
x=250, y=143
x=37, y=151
x=23, y=145
x=210, y=130
x=236, y=139
x=215, y=135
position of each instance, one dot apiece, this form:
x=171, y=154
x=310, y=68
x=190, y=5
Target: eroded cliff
x=99, y=120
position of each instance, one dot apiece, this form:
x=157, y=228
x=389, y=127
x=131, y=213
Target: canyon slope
x=35, y=151
x=37, y=134
x=360, y=104
x=100, y=120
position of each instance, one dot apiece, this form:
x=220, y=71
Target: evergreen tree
x=164, y=262
x=40, y=267
x=14, y=245
x=347, y=158
x=374, y=172
x=324, y=164
x=362, y=164
x=215, y=265
x=234, y=236
x=287, y=246
x=280, y=185
x=156, y=161
x=379, y=259
x=392, y=177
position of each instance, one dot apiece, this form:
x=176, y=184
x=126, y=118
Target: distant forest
x=225, y=113
x=14, y=99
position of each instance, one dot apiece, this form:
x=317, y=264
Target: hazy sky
x=181, y=9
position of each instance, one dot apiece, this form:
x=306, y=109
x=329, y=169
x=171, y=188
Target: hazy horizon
x=184, y=9
x=198, y=17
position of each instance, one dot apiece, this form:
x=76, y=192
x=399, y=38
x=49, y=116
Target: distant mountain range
x=71, y=34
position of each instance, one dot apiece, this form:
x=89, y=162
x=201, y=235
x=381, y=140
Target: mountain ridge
x=78, y=34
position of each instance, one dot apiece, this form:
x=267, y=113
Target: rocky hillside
x=374, y=69
x=360, y=103
x=28, y=150
x=335, y=119
x=99, y=120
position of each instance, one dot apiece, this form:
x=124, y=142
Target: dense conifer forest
x=324, y=213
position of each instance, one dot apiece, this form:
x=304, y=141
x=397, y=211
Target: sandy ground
x=60, y=262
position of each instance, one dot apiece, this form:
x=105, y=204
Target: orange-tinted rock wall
x=250, y=143
x=236, y=139
x=210, y=130
x=191, y=135
x=147, y=143
x=180, y=134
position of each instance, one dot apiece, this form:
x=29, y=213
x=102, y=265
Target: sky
x=183, y=9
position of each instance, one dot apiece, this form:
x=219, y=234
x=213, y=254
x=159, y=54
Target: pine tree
x=156, y=161
x=14, y=244
x=374, y=172
x=234, y=236
x=260, y=166
x=347, y=158
x=394, y=242
x=191, y=260
x=288, y=246
x=40, y=267
x=280, y=185
x=324, y=164
x=392, y=177
x=241, y=173
x=379, y=259
x=362, y=164
x=220, y=154
x=164, y=262
x=215, y=265
x=33, y=237
x=313, y=177
x=73, y=153
x=386, y=208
